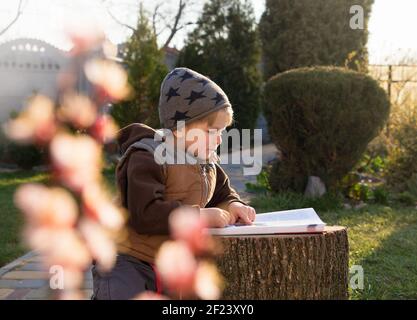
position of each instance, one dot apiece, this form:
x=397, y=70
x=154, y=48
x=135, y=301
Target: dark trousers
x=128, y=278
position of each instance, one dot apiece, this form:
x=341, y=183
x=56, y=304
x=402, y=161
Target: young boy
x=150, y=190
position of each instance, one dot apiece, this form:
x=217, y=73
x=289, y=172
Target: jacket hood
x=126, y=137
x=132, y=133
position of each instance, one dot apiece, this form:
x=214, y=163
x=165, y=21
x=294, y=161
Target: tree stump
x=286, y=266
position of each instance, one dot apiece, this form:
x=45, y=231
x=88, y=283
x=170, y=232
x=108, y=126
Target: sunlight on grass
x=381, y=240
x=11, y=219
x=11, y=246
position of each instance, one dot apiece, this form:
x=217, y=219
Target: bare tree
x=11, y=23
x=164, y=20
x=178, y=23
x=119, y=21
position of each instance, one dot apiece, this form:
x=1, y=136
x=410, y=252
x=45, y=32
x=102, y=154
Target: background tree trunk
x=290, y=266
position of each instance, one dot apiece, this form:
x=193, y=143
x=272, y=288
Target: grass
x=11, y=219
x=11, y=246
x=382, y=239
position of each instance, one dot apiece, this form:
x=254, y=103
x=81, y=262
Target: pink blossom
x=76, y=160
x=186, y=225
x=98, y=206
x=85, y=37
x=36, y=124
x=71, y=295
x=53, y=207
x=177, y=266
x=73, y=279
x=99, y=243
x=58, y=246
x=207, y=282
x=78, y=110
x=150, y=295
x=109, y=77
x=104, y=129
x=110, y=50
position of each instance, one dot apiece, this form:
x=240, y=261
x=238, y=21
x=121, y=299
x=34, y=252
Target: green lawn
x=11, y=219
x=382, y=240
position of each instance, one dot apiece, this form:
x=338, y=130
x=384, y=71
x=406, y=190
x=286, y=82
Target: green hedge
x=307, y=33
x=321, y=119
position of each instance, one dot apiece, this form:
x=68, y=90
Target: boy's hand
x=242, y=213
x=216, y=217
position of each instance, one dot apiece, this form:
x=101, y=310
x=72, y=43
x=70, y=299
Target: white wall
x=27, y=66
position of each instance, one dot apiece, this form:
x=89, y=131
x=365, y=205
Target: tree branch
x=18, y=14
x=119, y=22
x=155, y=13
x=175, y=25
x=181, y=5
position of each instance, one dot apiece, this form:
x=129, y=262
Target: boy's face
x=202, y=139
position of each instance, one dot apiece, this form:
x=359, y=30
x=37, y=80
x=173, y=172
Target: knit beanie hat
x=187, y=95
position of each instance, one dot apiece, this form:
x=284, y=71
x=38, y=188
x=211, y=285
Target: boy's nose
x=219, y=139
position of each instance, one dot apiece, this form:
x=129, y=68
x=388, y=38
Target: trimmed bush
x=321, y=119
x=307, y=33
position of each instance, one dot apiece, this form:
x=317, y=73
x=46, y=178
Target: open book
x=303, y=220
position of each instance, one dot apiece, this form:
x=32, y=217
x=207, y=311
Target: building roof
x=26, y=53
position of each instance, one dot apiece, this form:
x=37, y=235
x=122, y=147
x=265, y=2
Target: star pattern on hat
x=180, y=116
x=218, y=98
x=195, y=95
x=172, y=93
x=203, y=82
x=173, y=73
x=185, y=76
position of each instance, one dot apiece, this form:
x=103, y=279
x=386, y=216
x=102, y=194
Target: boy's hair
x=187, y=95
x=224, y=116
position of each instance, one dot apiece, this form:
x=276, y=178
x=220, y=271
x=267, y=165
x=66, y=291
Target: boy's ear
x=180, y=130
x=180, y=133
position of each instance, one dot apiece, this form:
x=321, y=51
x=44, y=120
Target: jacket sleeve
x=224, y=194
x=148, y=210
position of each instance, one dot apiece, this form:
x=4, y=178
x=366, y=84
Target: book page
x=295, y=217
x=289, y=221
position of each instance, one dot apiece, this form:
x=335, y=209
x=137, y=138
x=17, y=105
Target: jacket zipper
x=205, y=185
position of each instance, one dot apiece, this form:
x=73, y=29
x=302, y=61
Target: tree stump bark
x=286, y=266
